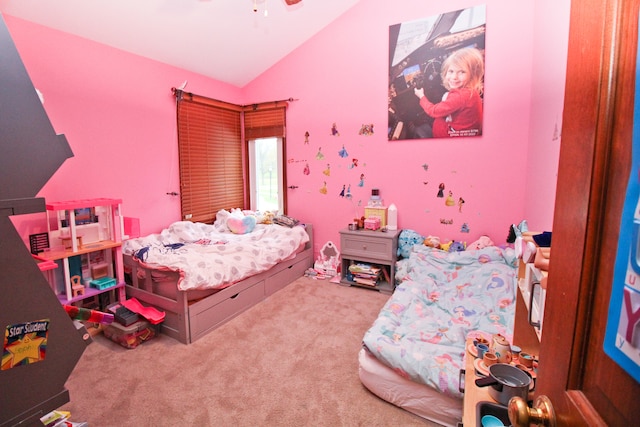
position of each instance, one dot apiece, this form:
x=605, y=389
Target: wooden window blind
x=265, y=120
x=210, y=157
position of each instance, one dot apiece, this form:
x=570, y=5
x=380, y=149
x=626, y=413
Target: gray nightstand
x=374, y=248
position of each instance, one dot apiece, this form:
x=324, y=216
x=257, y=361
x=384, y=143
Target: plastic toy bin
x=133, y=335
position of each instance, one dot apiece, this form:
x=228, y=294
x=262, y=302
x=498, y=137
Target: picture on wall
x=436, y=76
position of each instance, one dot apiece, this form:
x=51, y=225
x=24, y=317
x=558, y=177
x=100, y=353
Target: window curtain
x=210, y=156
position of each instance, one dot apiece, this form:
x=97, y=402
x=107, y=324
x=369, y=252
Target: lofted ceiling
x=222, y=39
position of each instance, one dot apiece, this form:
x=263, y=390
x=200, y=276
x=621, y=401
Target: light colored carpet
x=291, y=360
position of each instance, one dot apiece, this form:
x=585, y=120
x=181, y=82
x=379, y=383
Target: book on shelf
x=364, y=269
x=366, y=282
x=365, y=274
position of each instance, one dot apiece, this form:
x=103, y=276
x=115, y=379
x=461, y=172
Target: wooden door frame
x=595, y=160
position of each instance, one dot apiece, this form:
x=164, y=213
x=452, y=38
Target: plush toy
x=406, y=240
x=432, y=241
x=482, y=242
x=268, y=217
x=446, y=246
x=241, y=225
x=456, y=246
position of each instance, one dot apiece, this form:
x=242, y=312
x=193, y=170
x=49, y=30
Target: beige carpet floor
x=291, y=360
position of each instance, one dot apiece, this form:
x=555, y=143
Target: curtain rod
x=179, y=93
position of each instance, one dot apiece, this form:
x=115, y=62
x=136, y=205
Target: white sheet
x=208, y=258
x=416, y=398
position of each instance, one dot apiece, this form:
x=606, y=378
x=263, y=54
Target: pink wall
x=118, y=114
x=341, y=76
x=549, y=68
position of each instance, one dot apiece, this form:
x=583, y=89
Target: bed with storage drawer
x=203, y=275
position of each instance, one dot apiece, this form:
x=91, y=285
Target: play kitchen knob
x=540, y=414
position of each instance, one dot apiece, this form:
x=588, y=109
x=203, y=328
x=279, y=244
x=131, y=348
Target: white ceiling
x=222, y=39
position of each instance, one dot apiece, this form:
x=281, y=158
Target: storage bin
x=131, y=336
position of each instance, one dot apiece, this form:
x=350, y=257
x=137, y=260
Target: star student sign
x=24, y=343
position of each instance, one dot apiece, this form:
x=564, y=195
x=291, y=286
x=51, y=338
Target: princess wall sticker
x=343, y=152
x=366, y=130
x=450, y=201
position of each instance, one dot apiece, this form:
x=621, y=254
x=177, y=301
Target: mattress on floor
x=417, y=398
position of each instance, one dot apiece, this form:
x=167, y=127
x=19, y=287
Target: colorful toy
x=372, y=223
x=152, y=314
x=79, y=313
x=456, y=246
x=77, y=288
x=482, y=242
x=406, y=240
x=432, y=241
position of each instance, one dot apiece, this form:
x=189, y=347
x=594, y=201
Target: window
x=264, y=127
x=216, y=170
x=265, y=174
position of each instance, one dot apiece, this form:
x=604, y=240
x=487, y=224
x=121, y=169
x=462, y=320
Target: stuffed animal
x=406, y=240
x=432, y=241
x=456, y=246
x=482, y=242
x=268, y=217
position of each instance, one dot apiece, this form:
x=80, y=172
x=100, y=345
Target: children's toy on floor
x=328, y=260
x=88, y=315
x=79, y=315
x=152, y=314
x=135, y=323
x=130, y=336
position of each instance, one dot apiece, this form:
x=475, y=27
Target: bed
x=202, y=275
x=413, y=353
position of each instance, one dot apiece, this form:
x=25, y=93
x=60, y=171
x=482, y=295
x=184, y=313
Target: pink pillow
x=241, y=225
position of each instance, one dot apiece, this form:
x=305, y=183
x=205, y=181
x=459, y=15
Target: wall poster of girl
x=436, y=76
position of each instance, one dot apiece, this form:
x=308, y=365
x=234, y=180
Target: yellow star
x=27, y=348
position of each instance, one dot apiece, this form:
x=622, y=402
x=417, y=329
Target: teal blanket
x=442, y=297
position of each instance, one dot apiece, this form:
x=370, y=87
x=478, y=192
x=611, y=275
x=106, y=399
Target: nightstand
x=369, y=248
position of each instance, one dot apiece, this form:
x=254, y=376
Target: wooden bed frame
x=190, y=316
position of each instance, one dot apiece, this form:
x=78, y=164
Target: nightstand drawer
x=381, y=248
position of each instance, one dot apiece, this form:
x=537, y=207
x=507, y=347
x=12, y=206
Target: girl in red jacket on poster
x=460, y=111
